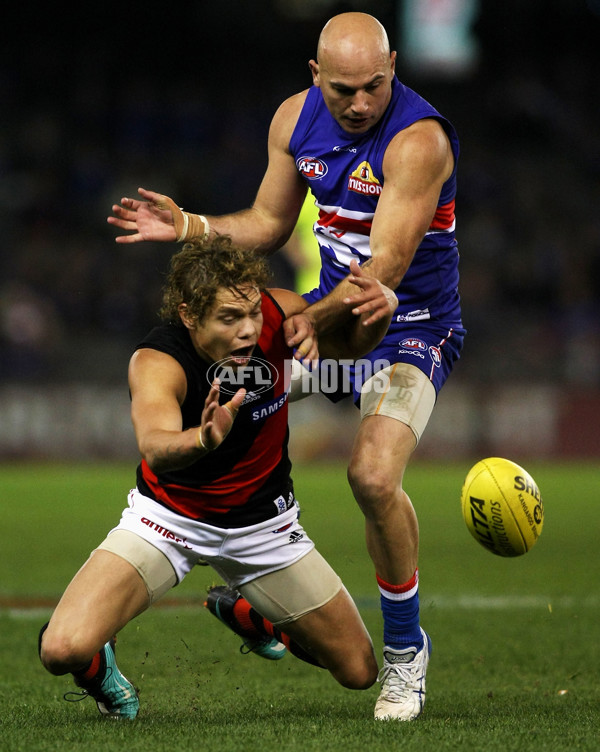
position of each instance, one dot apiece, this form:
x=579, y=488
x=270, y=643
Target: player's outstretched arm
x=158, y=386
x=265, y=226
x=158, y=218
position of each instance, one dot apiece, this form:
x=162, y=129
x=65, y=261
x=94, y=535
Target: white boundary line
x=441, y=602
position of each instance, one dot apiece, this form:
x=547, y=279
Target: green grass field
x=516, y=659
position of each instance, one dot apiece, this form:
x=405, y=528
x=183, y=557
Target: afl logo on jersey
x=311, y=168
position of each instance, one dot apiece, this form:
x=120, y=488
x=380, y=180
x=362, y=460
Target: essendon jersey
x=247, y=478
x=344, y=172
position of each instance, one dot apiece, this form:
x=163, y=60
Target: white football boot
x=402, y=680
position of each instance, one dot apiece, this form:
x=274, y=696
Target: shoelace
x=73, y=696
x=76, y=696
x=250, y=645
x=398, y=681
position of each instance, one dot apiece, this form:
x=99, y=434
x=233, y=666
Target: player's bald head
x=350, y=35
x=354, y=70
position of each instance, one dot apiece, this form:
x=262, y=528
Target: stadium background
x=98, y=99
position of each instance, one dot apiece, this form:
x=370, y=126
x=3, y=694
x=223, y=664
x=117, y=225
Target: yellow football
x=502, y=506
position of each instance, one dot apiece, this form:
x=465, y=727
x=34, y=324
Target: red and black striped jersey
x=247, y=478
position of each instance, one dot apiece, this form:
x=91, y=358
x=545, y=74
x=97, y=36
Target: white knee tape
x=151, y=564
x=286, y=595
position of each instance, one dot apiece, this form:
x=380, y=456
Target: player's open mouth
x=242, y=355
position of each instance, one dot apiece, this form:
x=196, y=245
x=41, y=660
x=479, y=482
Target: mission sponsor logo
x=363, y=181
x=257, y=376
x=312, y=168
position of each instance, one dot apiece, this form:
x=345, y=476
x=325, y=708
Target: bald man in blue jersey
x=381, y=163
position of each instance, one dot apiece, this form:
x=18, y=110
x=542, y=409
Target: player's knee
x=372, y=487
x=360, y=673
x=61, y=653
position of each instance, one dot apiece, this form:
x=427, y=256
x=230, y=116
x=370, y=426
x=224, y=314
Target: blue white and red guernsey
x=344, y=173
x=247, y=478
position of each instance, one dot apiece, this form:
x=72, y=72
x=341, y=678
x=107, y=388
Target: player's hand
x=217, y=419
x=299, y=332
x=375, y=299
x=156, y=218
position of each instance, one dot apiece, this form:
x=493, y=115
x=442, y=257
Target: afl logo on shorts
x=311, y=168
x=412, y=343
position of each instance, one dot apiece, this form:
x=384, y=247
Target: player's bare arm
x=158, y=386
x=417, y=163
x=306, y=341
x=372, y=304
x=265, y=226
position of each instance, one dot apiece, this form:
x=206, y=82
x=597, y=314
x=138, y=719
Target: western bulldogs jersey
x=247, y=478
x=344, y=173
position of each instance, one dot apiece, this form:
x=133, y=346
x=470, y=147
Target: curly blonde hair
x=203, y=267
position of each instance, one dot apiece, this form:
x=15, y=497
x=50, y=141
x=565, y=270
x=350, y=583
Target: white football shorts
x=238, y=555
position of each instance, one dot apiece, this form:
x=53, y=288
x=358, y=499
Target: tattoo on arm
x=172, y=457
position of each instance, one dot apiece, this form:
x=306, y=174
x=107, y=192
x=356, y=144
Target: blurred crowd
x=91, y=114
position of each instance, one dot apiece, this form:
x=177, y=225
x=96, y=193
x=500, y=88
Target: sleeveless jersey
x=344, y=173
x=247, y=478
